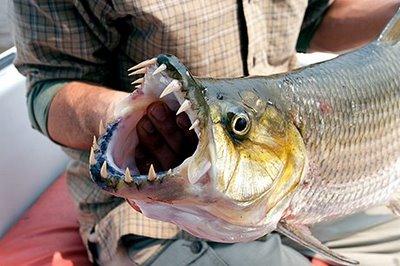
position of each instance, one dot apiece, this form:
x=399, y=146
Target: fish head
x=239, y=181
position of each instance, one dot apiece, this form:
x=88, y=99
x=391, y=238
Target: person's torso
x=213, y=38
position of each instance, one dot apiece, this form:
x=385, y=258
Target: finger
x=164, y=120
x=154, y=143
x=144, y=159
x=183, y=122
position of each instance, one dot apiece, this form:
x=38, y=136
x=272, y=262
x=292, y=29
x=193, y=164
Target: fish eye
x=240, y=124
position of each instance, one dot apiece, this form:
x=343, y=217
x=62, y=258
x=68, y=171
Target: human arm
x=349, y=24
x=72, y=75
x=76, y=111
x=56, y=45
x=73, y=122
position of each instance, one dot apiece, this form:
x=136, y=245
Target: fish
x=275, y=153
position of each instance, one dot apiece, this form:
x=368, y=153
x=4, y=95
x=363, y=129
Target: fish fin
x=391, y=33
x=302, y=235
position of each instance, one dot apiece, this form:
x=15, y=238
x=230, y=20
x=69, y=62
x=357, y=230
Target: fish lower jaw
x=202, y=224
x=111, y=158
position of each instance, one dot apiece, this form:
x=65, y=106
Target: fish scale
x=354, y=148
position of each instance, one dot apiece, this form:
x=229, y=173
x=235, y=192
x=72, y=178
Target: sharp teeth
x=103, y=170
x=173, y=86
x=138, y=81
x=160, y=69
x=169, y=172
x=151, y=176
x=94, y=145
x=137, y=88
x=92, y=159
x=139, y=71
x=184, y=107
x=195, y=124
x=101, y=128
x=144, y=64
x=128, y=177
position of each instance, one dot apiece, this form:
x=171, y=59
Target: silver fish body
x=348, y=112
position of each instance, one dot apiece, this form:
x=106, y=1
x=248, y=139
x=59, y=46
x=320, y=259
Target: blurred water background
x=5, y=27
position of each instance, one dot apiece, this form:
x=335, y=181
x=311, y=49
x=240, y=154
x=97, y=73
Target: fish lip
x=191, y=90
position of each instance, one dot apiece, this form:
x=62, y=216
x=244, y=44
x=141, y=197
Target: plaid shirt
x=97, y=41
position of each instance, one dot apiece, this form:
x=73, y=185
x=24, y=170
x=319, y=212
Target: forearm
x=349, y=24
x=75, y=113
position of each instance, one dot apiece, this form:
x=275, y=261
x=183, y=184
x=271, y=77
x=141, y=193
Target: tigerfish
x=281, y=152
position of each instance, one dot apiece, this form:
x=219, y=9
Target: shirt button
x=196, y=247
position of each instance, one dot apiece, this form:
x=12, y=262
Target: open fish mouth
x=113, y=166
x=180, y=195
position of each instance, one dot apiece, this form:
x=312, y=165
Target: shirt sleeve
x=61, y=41
x=312, y=19
x=39, y=99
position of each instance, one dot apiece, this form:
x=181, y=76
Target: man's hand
x=164, y=138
